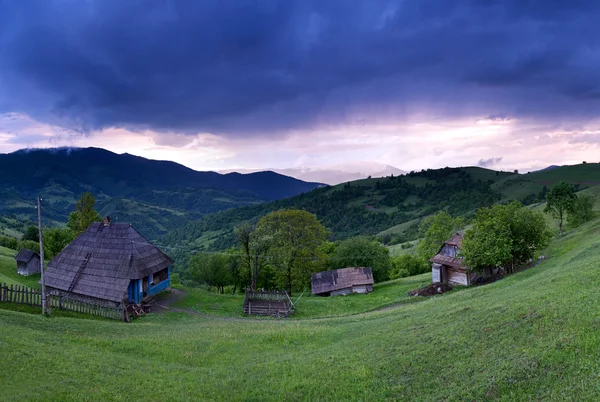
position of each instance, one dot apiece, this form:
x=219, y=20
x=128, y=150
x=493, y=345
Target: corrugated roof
x=328, y=281
x=25, y=255
x=456, y=240
x=102, y=260
x=454, y=262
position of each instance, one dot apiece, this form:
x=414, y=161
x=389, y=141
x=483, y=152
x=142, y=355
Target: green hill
x=391, y=205
x=155, y=196
x=531, y=336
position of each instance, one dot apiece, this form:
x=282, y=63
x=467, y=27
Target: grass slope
x=532, y=336
x=309, y=307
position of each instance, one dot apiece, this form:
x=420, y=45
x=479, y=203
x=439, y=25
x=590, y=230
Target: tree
x=295, y=236
x=84, y=214
x=31, y=233
x=435, y=230
x=559, y=200
x=582, y=210
x=56, y=239
x=255, y=246
x=234, y=265
x=363, y=252
x=487, y=244
x=210, y=269
x=504, y=235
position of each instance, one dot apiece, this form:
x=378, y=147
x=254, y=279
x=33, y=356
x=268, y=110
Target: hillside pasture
x=531, y=336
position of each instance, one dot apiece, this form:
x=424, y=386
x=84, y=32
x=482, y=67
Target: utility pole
x=39, y=208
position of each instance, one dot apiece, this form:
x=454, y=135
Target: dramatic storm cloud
x=233, y=70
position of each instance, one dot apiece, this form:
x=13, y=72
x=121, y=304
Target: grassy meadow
x=532, y=336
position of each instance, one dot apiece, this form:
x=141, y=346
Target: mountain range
x=335, y=174
x=156, y=196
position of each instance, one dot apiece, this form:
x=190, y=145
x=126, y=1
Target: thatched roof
x=26, y=255
x=329, y=281
x=102, y=261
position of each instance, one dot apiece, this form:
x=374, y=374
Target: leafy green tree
x=84, y=214
x=31, y=233
x=559, y=201
x=504, y=235
x=56, y=239
x=295, y=236
x=363, y=252
x=408, y=265
x=487, y=244
x=255, y=246
x=210, y=269
x=234, y=264
x=435, y=230
x=582, y=210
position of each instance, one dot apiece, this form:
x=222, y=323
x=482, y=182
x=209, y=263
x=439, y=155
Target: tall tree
x=559, y=201
x=435, y=230
x=84, y=214
x=255, y=246
x=296, y=236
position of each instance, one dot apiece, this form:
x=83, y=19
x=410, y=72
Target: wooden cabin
x=342, y=281
x=28, y=262
x=110, y=263
x=448, y=266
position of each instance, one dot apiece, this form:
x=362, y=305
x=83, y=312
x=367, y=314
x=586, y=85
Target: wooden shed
x=28, y=262
x=449, y=267
x=109, y=263
x=342, y=281
x=274, y=303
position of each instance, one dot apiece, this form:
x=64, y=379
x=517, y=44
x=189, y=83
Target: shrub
x=9, y=242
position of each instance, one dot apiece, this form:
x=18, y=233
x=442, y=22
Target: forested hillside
x=155, y=196
x=370, y=206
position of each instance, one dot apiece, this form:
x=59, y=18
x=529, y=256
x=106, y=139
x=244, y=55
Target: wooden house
x=342, y=282
x=449, y=267
x=109, y=263
x=28, y=262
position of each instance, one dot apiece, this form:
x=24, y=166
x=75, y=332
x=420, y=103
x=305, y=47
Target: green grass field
x=532, y=336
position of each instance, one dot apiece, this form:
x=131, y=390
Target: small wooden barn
x=111, y=264
x=448, y=266
x=28, y=262
x=342, y=281
x=277, y=304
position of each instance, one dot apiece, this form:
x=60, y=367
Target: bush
x=408, y=265
x=9, y=242
x=29, y=244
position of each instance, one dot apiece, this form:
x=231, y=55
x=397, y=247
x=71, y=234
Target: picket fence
x=24, y=295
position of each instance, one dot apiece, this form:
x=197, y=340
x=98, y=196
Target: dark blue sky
x=263, y=68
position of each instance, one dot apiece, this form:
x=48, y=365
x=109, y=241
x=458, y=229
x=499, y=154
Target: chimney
x=107, y=221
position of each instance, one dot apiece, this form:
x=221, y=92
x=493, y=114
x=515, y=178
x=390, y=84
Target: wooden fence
x=32, y=297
